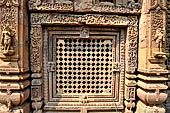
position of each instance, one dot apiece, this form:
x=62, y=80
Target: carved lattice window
x=83, y=61
x=84, y=66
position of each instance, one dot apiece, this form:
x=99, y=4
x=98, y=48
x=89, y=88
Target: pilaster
x=152, y=57
x=14, y=82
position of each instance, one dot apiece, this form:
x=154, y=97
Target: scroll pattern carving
x=36, y=44
x=59, y=6
x=9, y=2
x=8, y=18
x=83, y=6
x=131, y=46
x=78, y=19
x=157, y=4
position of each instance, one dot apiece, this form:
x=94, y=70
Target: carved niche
x=158, y=35
x=7, y=42
x=8, y=25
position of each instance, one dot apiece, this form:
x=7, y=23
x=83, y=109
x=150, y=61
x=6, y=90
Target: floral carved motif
x=157, y=4
x=132, y=34
x=8, y=25
x=78, y=19
x=81, y=6
x=60, y=6
x=9, y=2
x=36, y=48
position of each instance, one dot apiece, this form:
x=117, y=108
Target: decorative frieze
x=85, y=6
x=61, y=6
x=88, y=19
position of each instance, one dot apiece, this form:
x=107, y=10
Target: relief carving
x=116, y=66
x=159, y=39
x=36, y=43
x=157, y=4
x=84, y=32
x=7, y=41
x=8, y=26
x=60, y=5
x=85, y=5
x=132, y=36
x=9, y=3
x=79, y=19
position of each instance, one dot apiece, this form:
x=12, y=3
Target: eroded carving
x=9, y=3
x=36, y=44
x=116, y=66
x=64, y=5
x=79, y=19
x=7, y=41
x=85, y=5
x=159, y=39
x=157, y=4
x=132, y=36
x=84, y=32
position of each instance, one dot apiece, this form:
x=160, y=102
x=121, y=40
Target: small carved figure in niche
x=6, y=42
x=84, y=32
x=159, y=39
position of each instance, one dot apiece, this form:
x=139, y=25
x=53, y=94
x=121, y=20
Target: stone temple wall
x=28, y=69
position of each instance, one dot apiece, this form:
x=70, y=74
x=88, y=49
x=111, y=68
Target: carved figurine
x=6, y=42
x=159, y=39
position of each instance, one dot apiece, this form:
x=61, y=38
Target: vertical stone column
x=152, y=57
x=131, y=64
x=36, y=67
x=14, y=68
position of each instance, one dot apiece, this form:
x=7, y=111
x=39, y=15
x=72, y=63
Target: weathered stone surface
x=84, y=56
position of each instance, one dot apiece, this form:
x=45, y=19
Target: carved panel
x=86, y=6
x=36, y=93
x=132, y=34
x=8, y=25
x=36, y=47
x=130, y=93
x=57, y=6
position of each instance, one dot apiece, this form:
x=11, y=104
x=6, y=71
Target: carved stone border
x=70, y=6
x=38, y=20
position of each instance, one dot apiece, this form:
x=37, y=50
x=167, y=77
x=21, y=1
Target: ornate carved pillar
x=131, y=64
x=36, y=68
x=152, y=57
x=14, y=85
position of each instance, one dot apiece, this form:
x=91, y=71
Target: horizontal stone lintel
x=152, y=86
